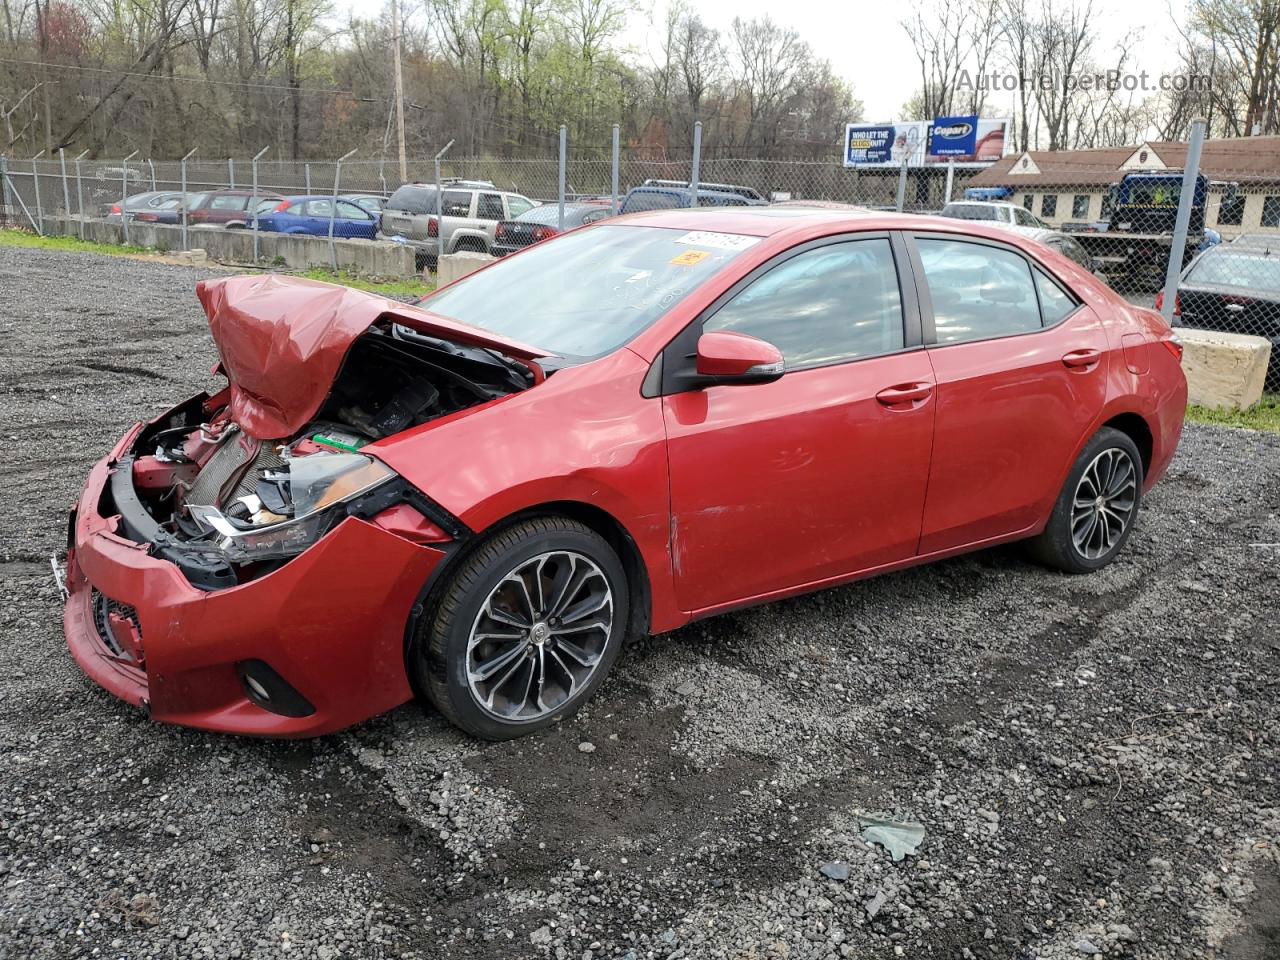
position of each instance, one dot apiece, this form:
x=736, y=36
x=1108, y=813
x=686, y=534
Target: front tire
x=1097, y=507
x=525, y=630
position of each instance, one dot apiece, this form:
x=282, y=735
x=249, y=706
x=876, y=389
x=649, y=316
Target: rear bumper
x=330, y=622
x=502, y=249
x=421, y=246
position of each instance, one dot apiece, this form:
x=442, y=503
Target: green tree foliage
x=496, y=76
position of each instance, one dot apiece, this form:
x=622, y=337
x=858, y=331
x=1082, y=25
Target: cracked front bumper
x=330, y=622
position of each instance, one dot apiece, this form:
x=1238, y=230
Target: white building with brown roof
x=1072, y=186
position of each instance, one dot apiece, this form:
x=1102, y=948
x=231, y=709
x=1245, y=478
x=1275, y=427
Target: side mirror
x=738, y=358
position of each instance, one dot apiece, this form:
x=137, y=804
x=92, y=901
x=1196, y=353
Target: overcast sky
x=867, y=46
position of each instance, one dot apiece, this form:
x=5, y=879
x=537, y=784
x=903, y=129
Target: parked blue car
x=312, y=214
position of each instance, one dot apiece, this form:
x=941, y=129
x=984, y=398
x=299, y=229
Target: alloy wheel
x=539, y=636
x=1104, y=502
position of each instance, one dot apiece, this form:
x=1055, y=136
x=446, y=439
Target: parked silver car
x=471, y=208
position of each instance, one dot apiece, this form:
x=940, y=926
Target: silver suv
x=472, y=209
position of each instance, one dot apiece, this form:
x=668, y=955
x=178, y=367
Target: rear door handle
x=1081, y=358
x=905, y=396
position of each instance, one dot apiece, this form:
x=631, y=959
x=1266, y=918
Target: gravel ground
x=1094, y=759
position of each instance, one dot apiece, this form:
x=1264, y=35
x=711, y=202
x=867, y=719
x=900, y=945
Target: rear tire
x=525, y=630
x=1097, y=508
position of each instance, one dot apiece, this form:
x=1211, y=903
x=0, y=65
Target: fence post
x=1190, y=174
x=80, y=192
x=231, y=173
x=184, y=196
x=951, y=176
x=253, y=201
x=440, y=208
x=124, y=193
x=564, y=147
x=66, y=190
x=697, y=163
x=306, y=174
x=902, y=186
x=153, y=174
x=4, y=188
x=333, y=209
x=35, y=178
x=613, y=206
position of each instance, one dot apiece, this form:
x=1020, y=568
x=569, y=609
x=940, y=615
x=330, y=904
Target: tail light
x=1174, y=346
x=543, y=233
x=1177, y=303
x=433, y=227
x=115, y=208
x=281, y=207
x=500, y=231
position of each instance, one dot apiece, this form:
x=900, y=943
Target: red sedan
x=640, y=423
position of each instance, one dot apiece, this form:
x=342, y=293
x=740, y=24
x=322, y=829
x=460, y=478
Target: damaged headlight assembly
x=295, y=507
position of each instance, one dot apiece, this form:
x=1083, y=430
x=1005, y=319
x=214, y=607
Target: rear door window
x=978, y=291
x=229, y=203
x=319, y=208
x=457, y=203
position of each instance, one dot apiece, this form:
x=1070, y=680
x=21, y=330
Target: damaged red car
x=478, y=498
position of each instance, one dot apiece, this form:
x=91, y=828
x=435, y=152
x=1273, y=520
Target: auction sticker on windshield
x=689, y=258
x=720, y=241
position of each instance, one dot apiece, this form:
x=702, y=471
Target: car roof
x=799, y=222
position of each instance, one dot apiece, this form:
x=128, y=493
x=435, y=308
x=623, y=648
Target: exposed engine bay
x=227, y=506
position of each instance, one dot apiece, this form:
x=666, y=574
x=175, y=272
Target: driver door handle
x=905, y=396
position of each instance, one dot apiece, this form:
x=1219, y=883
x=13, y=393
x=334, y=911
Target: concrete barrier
x=377, y=258
x=1224, y=369
x=455, y=266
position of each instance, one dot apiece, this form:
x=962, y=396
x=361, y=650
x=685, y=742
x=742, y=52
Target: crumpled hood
x=282, y=341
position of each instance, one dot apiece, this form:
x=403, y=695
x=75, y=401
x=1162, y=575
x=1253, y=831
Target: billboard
x=953, y=137
x=918, y=142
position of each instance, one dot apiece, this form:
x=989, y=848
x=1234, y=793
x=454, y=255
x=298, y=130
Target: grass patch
x=396, y=286
x=1264, y=415
x=405, y=286
x=20, y=238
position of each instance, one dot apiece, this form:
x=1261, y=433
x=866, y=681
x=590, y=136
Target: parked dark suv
x=233, y=209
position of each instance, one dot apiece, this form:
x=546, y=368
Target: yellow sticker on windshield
x=689, y=258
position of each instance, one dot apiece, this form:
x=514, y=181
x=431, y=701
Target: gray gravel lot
x=1094, y=759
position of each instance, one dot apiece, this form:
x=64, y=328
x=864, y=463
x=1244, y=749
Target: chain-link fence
x=1115, y=211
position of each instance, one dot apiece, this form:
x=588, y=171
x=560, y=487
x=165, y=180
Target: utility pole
x=395, y=26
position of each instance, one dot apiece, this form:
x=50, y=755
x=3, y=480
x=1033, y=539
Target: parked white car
x=994, y=211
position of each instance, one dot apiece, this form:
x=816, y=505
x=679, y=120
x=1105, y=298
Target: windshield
x=1228, y=270
x=970, y=211
x=588, y=292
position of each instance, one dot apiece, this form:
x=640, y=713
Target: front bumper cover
x=331, y=622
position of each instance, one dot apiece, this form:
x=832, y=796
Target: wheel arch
x=1136, y=428
x=589, y=515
